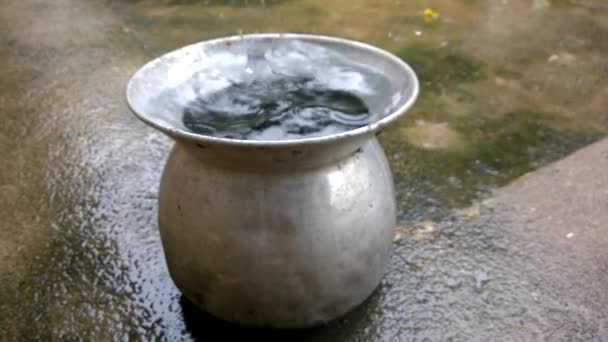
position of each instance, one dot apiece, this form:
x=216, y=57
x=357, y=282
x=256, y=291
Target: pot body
x=285, y=238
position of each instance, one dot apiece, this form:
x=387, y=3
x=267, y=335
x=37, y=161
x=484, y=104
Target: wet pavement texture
x=80, y=255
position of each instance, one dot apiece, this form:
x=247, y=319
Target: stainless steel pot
x=285, y=233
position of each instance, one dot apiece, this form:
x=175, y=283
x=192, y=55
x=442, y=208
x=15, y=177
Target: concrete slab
x=564, y=209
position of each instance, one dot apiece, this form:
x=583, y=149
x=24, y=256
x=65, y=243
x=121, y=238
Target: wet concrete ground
x=80, y=255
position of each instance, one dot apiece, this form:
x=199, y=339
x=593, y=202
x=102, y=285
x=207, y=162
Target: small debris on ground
x=562, y=58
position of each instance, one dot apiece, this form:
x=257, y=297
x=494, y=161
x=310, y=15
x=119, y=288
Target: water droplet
x=481, y=278
x=453, y=283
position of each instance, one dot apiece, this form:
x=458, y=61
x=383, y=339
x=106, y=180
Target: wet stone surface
x=80, y=255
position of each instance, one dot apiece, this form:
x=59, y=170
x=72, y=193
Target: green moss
x=440, y=67
x=523, y=140
x=431, y=182
x=506, y=72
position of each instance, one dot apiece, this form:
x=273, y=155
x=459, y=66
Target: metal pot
x=287, y=233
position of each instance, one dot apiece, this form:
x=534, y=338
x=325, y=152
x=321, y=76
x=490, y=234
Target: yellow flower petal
x=429, y=14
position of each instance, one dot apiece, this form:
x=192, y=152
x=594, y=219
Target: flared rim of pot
x=141, y=80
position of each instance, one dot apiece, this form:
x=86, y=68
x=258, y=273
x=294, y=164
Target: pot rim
x=370, y=128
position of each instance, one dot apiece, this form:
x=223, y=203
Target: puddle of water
x=82, y=257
